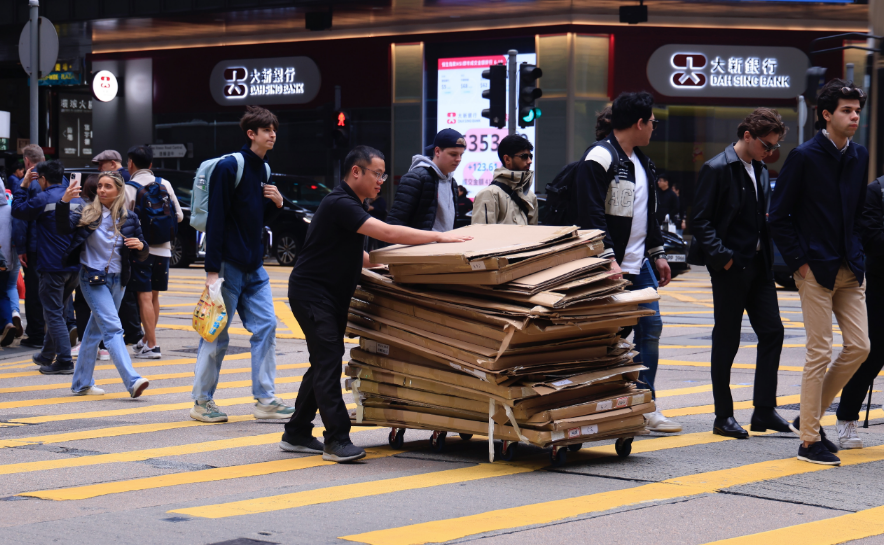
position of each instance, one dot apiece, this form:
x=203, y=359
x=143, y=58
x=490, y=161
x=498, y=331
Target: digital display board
x=460, y=106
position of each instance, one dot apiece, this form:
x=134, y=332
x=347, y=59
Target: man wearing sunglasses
x=732, y=240
x=509, y=199
x=815, y=219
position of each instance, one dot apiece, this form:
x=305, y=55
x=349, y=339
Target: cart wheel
x=558, y=456
x=466, y=436
x=396, y=437
x=437, y=441
x=506, y=450
x=623, y=446
x=575, y=448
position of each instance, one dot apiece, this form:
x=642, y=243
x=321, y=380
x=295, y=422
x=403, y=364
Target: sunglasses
x=525, y=156
x=768, y=147
x=853, y=90
x=654, y=123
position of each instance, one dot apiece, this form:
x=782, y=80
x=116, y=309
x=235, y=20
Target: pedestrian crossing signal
x=341, y=132
x=342, y=119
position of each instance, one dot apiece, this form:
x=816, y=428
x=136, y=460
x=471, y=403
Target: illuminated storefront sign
x=105, y=86
x=727, y=71
x=281, y=80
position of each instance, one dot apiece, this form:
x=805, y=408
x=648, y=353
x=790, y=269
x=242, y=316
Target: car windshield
x=311, y=193
x=182, y=183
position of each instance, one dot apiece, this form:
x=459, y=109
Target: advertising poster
x=460, y=106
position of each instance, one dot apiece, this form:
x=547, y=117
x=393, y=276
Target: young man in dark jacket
x=320, y=287
x=426, y=198
x=57, y=281
x=667, y=200
x=235, y=252
x=815, y=221
x=732, y=240
x=622, y=204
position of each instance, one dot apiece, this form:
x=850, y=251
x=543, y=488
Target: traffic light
x=341, y=132
x=816, y=78
x=496, y=94
x=528, y=93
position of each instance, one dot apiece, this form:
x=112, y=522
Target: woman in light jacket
x=105, y=237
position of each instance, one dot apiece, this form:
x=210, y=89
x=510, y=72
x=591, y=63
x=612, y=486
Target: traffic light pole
x=511, y=117
x=34, y=6
x=337, y=160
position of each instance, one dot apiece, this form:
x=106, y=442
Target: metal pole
x=514, y=89
x=848, y=72
x=34, y=6
x=802, y=119
x=337, y=160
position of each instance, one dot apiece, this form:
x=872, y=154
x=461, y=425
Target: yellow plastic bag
x=210, y=314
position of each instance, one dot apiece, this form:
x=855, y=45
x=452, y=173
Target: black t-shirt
x=330, y=262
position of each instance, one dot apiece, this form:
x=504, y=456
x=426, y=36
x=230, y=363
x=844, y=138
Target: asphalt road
x=113, y=469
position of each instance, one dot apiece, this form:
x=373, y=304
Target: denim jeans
x=56, y=289
x=249, y=294
x=649, y=328
x=12, y=282
x=5, y=303
x=104, y=325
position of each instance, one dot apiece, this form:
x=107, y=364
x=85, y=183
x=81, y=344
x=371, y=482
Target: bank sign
x=278, y=80
x=721, y=71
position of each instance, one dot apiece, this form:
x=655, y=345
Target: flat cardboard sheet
x=488, y=241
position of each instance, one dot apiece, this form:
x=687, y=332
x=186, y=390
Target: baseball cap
x=446, y=138
x=107, y=155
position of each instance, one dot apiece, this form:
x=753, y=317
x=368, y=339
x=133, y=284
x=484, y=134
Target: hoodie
x=494, y=205
x=425, y=198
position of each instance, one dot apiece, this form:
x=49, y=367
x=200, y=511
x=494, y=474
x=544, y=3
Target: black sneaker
x=38, y=359
x=57, y=369
x=294, y=443
x=343, y=451
x=817, y=453
x=796, y=427
x=32, y=343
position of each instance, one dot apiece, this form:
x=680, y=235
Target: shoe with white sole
x=207, y=411
x=276, y=409
x=847, y=435
x=90, y=391
x=8, y=335
x=138, y=346
x=103, y=355
x=139, y=387
x=659, y=423
x=74, y=336
x=16, y=321
x=147, y=353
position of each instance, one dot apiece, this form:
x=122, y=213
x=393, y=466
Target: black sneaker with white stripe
x=817, y=453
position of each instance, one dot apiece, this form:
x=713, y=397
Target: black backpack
x=561, y=193
x=155, y=211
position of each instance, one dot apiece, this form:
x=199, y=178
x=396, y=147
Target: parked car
x=676, y=253
x=300, y=190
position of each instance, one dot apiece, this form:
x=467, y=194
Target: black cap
x=446, y=138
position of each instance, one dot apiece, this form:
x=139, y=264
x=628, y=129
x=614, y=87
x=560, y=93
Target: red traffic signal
x=341, y=131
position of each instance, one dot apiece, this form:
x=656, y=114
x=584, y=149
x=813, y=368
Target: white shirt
x=101, y=248
x=635, y=248
x=751, y=170
x=842, y=150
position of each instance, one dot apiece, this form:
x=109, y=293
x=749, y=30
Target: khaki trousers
x=819, y=386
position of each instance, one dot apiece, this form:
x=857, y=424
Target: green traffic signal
x=532, y=114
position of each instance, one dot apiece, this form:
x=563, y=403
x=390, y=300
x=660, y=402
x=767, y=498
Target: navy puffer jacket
x=416, y=199
x=66, y=222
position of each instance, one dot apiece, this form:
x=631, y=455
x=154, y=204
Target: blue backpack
x=153, y=205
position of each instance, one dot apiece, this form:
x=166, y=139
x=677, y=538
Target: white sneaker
x=90, y=391
x=657, y=422
x=847, y=435
x=139, y=387
x=75, y=353
x=103, y=355
x=138, y=346
x=147, y=353
x=276, y=409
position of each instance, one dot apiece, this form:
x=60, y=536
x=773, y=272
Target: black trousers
x=35, y=327
x=853, y=395
x=733, y=291
x=323, y=326
x=130, y=318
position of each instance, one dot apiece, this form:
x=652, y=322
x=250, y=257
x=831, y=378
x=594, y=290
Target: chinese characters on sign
x=75, y=127
x=748, y=72
x=288, y=80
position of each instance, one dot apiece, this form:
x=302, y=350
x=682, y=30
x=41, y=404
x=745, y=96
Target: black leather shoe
x=729, y=427
x=764, y=418
x=830, y=446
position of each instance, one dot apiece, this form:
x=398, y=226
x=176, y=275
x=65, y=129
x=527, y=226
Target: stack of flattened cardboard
x=514, y=335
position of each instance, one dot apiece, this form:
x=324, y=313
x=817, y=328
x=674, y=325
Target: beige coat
x=493, y=205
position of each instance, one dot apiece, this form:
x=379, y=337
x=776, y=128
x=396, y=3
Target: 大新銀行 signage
x=711, y=71
x=280, y=80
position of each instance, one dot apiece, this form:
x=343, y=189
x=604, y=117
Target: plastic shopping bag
x=210, y=315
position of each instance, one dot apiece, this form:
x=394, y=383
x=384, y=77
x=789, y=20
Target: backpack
x=199, y=197
x=561, y=204
x=153, y=206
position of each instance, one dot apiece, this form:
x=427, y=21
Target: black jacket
x=416, y=199
x=66, y=222
x=873, y=236
x=606, y=204
x=716, y=202
x=667, y=205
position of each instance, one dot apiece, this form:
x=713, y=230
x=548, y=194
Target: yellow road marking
x=548, y=512
x=859, y=525
x=707, y=409
x=692, y=390
x=284, y=313
x=7, y=364
x=135, y=363
x=104, y=381
x=192, y=477
x=735, y=366
x=835, y=345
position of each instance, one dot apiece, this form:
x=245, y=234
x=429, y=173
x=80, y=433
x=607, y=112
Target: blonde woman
x=106, y=238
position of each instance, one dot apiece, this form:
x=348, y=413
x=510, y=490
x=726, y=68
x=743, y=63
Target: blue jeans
x=12, y=282
x=104, y=325
x=56, y=289
x=649, y=328
x=249, y=294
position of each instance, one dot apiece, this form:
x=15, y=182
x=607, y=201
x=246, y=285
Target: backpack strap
x=240, y=165
x=523, y=206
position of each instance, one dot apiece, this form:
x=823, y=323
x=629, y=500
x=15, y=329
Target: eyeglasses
x=381, y=176
x=768, y=147
x=525, y=156
x=853, y=90
x=654, y=123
